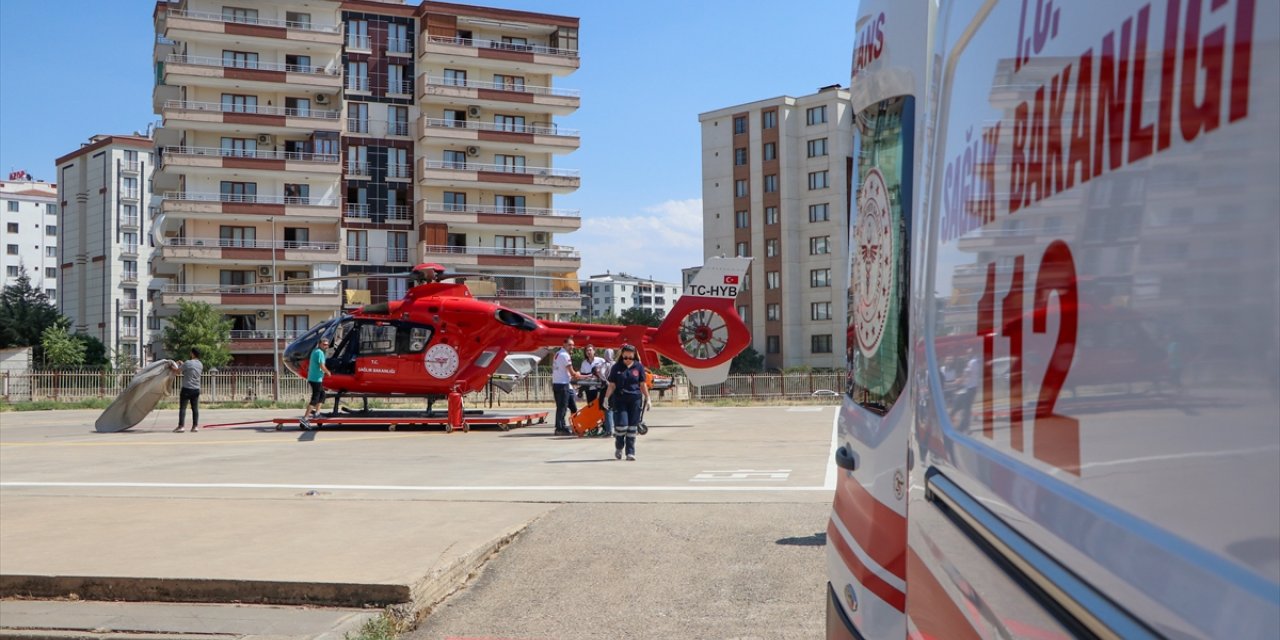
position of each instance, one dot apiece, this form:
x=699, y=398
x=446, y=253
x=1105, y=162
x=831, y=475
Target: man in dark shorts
x=316, y=371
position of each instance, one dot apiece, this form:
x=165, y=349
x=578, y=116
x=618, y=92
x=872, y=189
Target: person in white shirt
x=591, y=369
x=562, y=377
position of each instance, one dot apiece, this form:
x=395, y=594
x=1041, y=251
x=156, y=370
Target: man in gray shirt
x=189, y=371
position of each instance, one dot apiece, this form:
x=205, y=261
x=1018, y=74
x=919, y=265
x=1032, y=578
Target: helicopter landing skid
x=504, y=421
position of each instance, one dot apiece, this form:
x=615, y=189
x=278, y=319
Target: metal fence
x=247, y=385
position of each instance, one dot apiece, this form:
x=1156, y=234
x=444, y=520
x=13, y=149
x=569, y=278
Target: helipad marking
x=196, y=441
x=742, y=474
x=379, y=487
x=804, y=409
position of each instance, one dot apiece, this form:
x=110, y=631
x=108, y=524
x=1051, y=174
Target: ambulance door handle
x=845, y=458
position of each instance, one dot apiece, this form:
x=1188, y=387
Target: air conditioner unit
x=473, y=151
x=322, y=98
x=473, y=111
x=264, y=272
x=265, y=138
x=262, y=314
x=539, y=237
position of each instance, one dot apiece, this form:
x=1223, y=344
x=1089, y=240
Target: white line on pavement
x=830, y=484
x=376, y=487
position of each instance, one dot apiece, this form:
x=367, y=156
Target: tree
x=637, y=315
x=198, y=324
x=60, y=349
x=95, y=353
x=749, y=361
x=25, y=312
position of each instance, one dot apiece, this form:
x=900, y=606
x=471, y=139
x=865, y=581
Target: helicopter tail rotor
x=704, y=332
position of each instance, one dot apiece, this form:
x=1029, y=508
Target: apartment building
x=775, y=187
x=610, y=294
x=487, y=143
x=249, y=177
x=29, y=212
x=104, y=253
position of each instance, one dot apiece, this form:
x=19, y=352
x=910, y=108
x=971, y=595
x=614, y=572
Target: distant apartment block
x=610, y=294
x=358, y=137
x=29, y=211
x=104, y=187
x=774, y=187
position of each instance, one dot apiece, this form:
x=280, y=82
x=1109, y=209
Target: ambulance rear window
x=879, y=253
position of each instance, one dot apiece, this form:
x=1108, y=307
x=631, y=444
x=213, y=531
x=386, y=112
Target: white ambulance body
x=1063, y=407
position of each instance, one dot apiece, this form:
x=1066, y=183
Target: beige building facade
x=775, y=187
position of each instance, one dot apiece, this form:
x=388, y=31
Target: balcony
x=400, y=46
x=129, y=333
x=356, y=170
x=358, y=42
x=130, y=166
x=362, y=213
x=400, y=88
x=397, y=254
x=229, y=73
x=445, y=173
x=494, y=54
x=241, y=118
x=220, y=160
x=129, y=277
x=129, y=306
x=265, y=341
x=538, y=137
x=129, y=250
x=129, y=194
x=358, y=254
x=180, y=24
x=366, y=128
x=181, y=205
x=519, y=218
x=536, y=301
x=253, y=297
x=129, y=221
x=507, y=96
x=356, y=83
x=399, y=172
x=548, y=258
x=219, y=250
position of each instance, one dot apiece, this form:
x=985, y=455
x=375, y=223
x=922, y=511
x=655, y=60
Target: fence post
x=753, y=386
x=810, y=383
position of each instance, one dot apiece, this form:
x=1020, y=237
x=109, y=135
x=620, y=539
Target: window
x=770, y=151
x=820, y=278
x=773, y=312
x=240, y=59
x=817, y=147
x=357, y=117
x=11, y=271
x=357, y=76
x=819, y=310
x=769, y=120
x=819, y=213
x=815, y=115
x=772, y=279
x=397, y=165
x=879, y=298
x=510, y=245
x=455, y=201
x=397, y=246
x=741, y=219
x=396, y=82
x=12, y=205
x=820, y=343
x=238, y=191
x=237, y=236
x=239, y=104
x=130, y=269
x=11, y=249
x=357, y=245
x=771, y=215
x=740, y=250
x=771, y=248
x=740, y=156
x=50, y=251
x=455, y=159
x=817, y=180
x=771, y=184
x=50, y=272
x=398, y=38
x=51, y=229
x=740, y=188
x=772, y=344
x=51, y=209
x=358, y=34
x=297, y=20
x=739, y=125
x=377, y=338
x=819, y=245
x=508, y=83
x=744, y=312
x=509, y=163
x=455, y=77
x=236, y=14
x=50, y=293
x=509, y=203
x=508, y=123
x=12, y=227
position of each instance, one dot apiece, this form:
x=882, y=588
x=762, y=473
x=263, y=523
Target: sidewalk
x=128, y=620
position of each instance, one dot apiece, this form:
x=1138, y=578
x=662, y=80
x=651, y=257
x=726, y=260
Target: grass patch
x=383, y=627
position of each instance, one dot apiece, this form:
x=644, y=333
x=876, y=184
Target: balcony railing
x=132, y=194
x=258, y=154
x=536, y=129
x=525, y=252
x=129, y=276
x=356, y=168
x=129, y=332
x=358, y=253
x=504, y=46
x=239, y=243
x=129, y=221
x=399, y=45
x=355, y=41
x=403, y=87
x=397, y=128
x=253, y=109
x=357, y=125
x=253, y=334
x=503, y=86
x=205, y=61
x=397, y=254
x=356, y=83
x=394, y=213
x=502, y=168
x=129, y=249
x=266, y=22
x=399, y=213
x=242, y=288
x=128, y=305
x=442, y=207
x=399, y=171
x=130, y=165
x=356, y=211
x=250, y=198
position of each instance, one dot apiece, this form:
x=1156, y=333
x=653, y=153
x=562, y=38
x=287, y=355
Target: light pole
x=275, y=318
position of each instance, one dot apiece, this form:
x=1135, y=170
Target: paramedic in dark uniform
x=626, y=394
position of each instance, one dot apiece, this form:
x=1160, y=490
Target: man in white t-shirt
x=562, y=377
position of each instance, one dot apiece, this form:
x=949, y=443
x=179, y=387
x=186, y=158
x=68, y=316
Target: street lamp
x=275, y=317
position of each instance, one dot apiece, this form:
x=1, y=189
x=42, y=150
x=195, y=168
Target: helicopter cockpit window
x=377, y=339
x=414, y=339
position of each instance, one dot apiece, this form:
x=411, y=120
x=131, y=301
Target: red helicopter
x=440, y=341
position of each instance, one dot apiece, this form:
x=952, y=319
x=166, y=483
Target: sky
x=648, y=68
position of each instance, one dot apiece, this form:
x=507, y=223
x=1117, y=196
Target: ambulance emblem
x=872, y=257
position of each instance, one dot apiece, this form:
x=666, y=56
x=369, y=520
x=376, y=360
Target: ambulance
x=1062, y=412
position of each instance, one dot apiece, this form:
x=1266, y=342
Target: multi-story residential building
x=104, y=249
x=249, y=179
x=610, y=294
x=29, y=211
x=487, y=139
x=774, y=187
